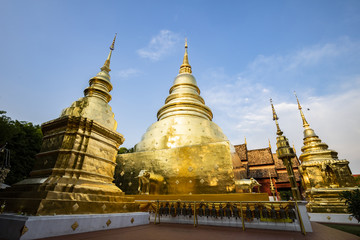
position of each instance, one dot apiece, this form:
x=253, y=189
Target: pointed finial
x=275, y=118
x=294, y=148
x=185, y=66
x=106, y=66
x=269, y=143
x=305, y=123
x=113, y=43
x=245, y=141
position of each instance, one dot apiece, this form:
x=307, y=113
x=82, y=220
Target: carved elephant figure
x=246, y=184
x=149, y=182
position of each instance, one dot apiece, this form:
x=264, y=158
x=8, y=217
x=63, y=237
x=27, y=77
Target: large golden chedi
x=184, y=152
x=324, y=175
x=73, y=173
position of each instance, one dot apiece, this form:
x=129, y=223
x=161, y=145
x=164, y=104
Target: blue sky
x=242, y=53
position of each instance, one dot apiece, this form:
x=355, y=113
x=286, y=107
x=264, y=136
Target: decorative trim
x=108, y=222
x=74, y=226
x=24, y=229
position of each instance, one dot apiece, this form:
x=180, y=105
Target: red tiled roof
x=261, y=156
x=241, y=151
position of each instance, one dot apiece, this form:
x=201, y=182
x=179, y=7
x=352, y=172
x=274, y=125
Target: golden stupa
x=324, y=175
x=74, y=171
x=184, y=152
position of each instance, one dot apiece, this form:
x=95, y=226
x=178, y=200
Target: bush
x=352, y=199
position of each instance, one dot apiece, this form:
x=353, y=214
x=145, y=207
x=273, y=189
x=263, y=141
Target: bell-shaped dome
x=184, y=119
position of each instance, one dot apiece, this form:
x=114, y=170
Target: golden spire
x=185, y=66
x=294, y=148
x=245, y=141
x=106, y=66
x=305, y=123
x=100, y=85
x=275, y=118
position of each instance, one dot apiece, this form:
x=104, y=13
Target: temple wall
x=196, y=169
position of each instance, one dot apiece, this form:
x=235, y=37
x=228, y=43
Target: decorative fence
x=290, y=215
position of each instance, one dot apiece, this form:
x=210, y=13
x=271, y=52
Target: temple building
x=74, y=170
x=264, y=166
x=184, y=151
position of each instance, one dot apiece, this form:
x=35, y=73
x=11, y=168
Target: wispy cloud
x=160, y=45
x=305, y=66
x=127, y=73
x=242, y=108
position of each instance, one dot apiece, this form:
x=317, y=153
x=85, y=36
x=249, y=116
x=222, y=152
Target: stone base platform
x=14, y=226
x=333, y=218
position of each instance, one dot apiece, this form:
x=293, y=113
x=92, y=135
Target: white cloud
x=160, y=45
x=291, y=68
x=242, y=108
x=127, y=73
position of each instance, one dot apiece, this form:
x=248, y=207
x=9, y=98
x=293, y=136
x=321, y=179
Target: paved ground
x=188, y=232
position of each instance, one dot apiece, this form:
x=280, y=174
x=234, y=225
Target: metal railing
x=246, y=211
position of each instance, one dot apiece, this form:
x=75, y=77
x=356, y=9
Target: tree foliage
x=24, y=142
x=352, y=199
x=122, y=150
x=118, y=178
x=357, y=180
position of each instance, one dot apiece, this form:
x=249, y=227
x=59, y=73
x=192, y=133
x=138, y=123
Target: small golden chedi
x=324, y=175
x=74, y=171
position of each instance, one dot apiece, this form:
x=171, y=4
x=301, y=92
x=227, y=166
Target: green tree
x=352, y=200
x=24, y=142
x=122, y=150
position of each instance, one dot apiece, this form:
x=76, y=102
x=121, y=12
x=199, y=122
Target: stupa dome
x=184, y=119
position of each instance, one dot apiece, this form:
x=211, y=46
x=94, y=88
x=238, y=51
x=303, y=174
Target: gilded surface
x=194, y=169
x=184, y=151
x=324, y=175
x=74, y=171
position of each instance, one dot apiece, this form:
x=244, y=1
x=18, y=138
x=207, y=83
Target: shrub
x=352, y=199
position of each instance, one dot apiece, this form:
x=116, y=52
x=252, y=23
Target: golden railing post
x=157, y=212
x=242, y=217
x=156, y=209
x=300, y=218
x=195, y=217
x=197, y=220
